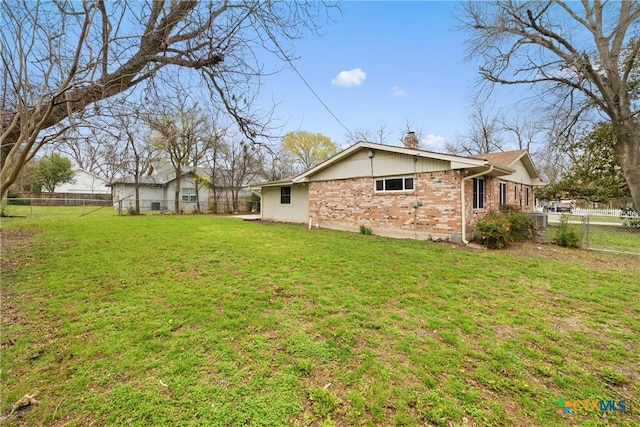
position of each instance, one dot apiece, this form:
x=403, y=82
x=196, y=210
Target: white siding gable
x=520, y=176
x=383, y=163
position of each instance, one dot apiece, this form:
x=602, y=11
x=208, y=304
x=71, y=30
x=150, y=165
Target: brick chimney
x=411, y=140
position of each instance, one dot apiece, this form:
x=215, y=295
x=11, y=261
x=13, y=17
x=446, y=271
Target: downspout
x=462, y=198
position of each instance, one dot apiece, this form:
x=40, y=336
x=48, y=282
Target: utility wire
x=293, y=67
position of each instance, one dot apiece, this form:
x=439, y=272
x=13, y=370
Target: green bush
x=365, y=230
x=521, y=226
x=566, y=235
x=498, y=230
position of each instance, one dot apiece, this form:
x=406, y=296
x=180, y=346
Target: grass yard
x=603, y=237
x=614, y=238
x=597, y=218
x=210, y=321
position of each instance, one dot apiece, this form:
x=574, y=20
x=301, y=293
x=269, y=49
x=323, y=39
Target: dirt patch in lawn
x=14, y=239
x=12, y=250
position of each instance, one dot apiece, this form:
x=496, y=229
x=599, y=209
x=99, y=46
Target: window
x=526, y=196
x=478, y=193
x=188, y=194
x=394, y=184
x=285, y=195
x=503, y=193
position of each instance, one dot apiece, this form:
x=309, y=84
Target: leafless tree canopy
x=582, y=56
x=57, y=58
x=484, y=135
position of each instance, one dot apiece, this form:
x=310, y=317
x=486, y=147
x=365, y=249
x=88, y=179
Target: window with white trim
x=404, y=183
x=285, y=195
x=188, y=194
x=503, y=193
x=478, y=193
x=526, y=196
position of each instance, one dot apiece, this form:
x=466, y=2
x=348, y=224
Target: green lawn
x=211, y=321
x=603, y=237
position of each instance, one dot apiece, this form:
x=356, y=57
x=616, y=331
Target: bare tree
x=526, y=130
x=484, y=135
x=139, y=152
x=380, y=135
x=205, y=152
x=582, y=56
x=85, y=149
x=237, y=163
x=178, y=129
x=278, y=165
x=58, y=58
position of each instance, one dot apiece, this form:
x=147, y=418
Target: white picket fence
x=599, y=212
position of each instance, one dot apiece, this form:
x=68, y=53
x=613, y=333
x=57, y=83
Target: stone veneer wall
x=347, y=204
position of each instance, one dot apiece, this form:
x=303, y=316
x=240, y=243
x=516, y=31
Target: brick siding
x=347, y=204
x=514, y=192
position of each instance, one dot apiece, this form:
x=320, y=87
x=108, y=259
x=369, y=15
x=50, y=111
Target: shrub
x=521, y=226
x=566, y=235
x=494, y=231
x=498, y=230
x=630, y=218
x=365, y=230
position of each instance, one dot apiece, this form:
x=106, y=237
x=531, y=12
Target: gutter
x=462, y=198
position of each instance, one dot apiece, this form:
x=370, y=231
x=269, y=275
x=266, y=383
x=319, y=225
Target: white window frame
x=478, y=199
x=404, y=179
x=188, y=194
x=502, y=185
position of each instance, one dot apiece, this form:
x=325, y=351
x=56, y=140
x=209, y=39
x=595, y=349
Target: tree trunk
x=176, y=208
x=627, y=153
x=136, y=178
x=197, y=185
x=137, y=190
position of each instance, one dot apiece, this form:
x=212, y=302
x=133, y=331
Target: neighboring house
x=402, y=191
x=157, y=191
x=85, y=182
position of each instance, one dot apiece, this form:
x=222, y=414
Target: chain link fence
x=611, y=234
x=601, y=232
x=34, y=207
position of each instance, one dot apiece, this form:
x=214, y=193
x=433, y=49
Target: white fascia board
x=270, y=184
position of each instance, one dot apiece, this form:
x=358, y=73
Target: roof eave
x=260, y=185
x=457, y=162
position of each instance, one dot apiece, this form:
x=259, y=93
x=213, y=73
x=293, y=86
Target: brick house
x=402, y=191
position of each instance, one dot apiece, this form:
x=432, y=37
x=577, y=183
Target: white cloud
x=349, y=78
x=397, y=91
x=434, y=142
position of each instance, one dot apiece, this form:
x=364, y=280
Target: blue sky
x=401, y=62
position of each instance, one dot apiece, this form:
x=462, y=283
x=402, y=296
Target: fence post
x=31, y=203
x=584, y=235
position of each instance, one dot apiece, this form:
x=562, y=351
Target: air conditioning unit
x=540, y=218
